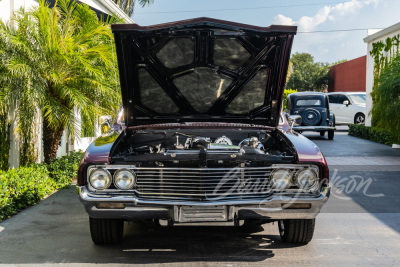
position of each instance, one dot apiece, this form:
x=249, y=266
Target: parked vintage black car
x=313, y=107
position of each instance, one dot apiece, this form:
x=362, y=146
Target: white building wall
x=27, y=4
x=79, y=142
x=63, y=147
x=13, y=159
x=7, y=7
x=374, y=37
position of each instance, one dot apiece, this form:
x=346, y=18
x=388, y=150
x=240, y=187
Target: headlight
x=100, y=178
x=306, y=179
x=281, y=179
x=124, y=179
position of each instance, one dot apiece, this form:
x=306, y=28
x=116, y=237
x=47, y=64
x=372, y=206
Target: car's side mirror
x=105, y=123
x=294, y=120
x=346, y=102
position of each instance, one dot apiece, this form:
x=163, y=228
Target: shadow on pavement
x=144, y=244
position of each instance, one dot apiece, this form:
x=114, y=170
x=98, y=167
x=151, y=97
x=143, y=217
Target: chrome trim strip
x=292, y=166
x=87, y=196
x=313, y=128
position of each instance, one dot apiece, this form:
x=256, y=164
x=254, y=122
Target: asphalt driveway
x=356, y=227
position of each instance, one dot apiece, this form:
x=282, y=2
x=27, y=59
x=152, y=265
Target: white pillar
x=369, y=84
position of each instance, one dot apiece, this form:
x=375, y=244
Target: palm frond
x=58, y=60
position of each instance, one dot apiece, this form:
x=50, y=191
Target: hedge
x=286, y=92
x=26, y=186
x=370, y=133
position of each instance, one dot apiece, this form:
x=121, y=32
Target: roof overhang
x=382, y=33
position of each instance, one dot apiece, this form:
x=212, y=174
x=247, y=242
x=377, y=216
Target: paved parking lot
x=356, y=227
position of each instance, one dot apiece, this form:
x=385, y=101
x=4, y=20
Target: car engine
x=162, y=148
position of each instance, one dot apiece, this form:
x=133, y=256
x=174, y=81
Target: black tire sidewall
x=331, y=134
x=106, y=231
x=298, y=231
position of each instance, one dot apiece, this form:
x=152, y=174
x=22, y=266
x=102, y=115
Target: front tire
x=106, y=231
x=322, y=133
x=298, y=231
x=331, y=134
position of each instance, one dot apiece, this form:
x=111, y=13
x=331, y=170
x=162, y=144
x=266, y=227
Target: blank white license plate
x=203, y=214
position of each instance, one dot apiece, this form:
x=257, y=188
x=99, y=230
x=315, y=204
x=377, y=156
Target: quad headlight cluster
x=304, y=179
x=101, y=179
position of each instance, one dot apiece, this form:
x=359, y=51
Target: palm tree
x=129, y=5
x=59, y=60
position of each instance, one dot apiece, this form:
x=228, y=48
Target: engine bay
x=200, y=147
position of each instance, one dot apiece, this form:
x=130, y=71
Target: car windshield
x=308, y=102
x=358, y=98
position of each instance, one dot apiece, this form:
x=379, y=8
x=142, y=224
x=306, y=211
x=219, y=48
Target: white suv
x=348, y=107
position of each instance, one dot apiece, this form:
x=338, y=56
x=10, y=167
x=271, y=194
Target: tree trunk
x=51, y=140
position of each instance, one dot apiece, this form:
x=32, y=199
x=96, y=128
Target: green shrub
x=285, y=95
x=23, y=187
x=26, y=186
x=371, y=133
x=64, y=169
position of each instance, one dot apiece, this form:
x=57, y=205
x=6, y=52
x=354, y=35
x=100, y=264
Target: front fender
x=98, y=152
x=308, y=152
x=332, y=118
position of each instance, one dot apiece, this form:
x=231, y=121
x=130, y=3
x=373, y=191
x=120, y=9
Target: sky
x=327, y=29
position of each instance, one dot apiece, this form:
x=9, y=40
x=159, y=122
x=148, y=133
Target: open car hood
x=202, y=70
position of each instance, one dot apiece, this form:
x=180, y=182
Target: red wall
x=349, y=76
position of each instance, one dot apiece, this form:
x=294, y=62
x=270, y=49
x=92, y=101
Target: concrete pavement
x=353, y=228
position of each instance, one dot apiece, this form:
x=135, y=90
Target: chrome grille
x=202, y=183
x=167, y=183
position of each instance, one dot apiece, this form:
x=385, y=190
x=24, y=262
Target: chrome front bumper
x=133, y=208
x=314, y=128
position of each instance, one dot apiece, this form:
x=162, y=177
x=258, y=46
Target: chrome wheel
x=359, y=119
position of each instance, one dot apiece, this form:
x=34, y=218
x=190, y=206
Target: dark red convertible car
x=204, y=137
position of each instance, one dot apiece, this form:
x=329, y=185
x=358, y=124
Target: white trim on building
x=369, y=40
x=110, y=7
